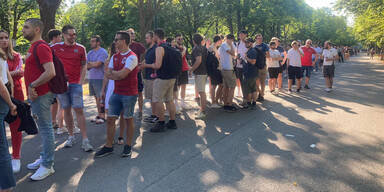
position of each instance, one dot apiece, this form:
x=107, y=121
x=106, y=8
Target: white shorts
x=108, y=94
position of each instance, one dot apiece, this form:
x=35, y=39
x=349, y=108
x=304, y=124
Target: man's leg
x=182, y=91
x=160, y=111
x=219, y=93
x=54, y=109
x=289, y=84
x=141, y=102
x=111, y=128
x=231, y=92
x=171, y=109
x=68, y=118
x=81, y=121
x=203, y=101
x=130, y=131
x=298, y=86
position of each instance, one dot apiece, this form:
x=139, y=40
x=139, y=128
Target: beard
x=29, y=37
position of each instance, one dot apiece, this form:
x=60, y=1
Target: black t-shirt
x=150, y=57
x=249, y=70
x=196, y=52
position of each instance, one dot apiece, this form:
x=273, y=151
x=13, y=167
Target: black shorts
x=239, y=73
x=294, y=72
x=182, y=79
x=140, y=85
x=216, y=78
x=274, y=72
x=329, y=70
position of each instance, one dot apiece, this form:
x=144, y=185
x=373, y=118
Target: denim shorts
x=307, y=70
x=95, y=86
x=72, y=98
x=122, y=104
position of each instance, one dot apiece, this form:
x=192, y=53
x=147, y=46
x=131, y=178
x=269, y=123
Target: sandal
x=100, y=121
x=120, y=141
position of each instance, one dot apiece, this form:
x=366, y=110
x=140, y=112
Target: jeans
x=122, y=104
x=7, y=179
x=41, y=108
x=73, y=97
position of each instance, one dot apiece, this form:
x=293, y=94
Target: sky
x=320, y=3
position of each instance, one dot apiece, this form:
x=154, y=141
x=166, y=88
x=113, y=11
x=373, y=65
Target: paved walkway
x=263, y=150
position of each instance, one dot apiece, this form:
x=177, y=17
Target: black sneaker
x=159, y=127
x=171, y=125
x=104, y=152
x=298, y=90
x=306, y=87
x=230, y=109
x=260, y=98
x=126, y=151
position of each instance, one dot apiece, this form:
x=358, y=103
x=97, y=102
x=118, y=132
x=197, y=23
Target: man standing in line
x=294, y=66
x=227, y=53
x=163, y=85
x=250, y=74
x=73, y=56
x=328, y=66
x=123, y=70
x=306, y=61
x=39, y=93
x=264, y=54
x=95, y=65
x=199, y=69
x=241, y=53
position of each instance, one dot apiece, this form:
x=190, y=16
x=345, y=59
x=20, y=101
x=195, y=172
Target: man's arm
x=231, y=51
x=96, y=64
x=118, y=75
x=83, y=72
x=196, y=64
x=48, y=74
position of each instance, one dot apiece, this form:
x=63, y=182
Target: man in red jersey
x=39, y=94
x=123, y=69
x=306, y=61
x=73, y=56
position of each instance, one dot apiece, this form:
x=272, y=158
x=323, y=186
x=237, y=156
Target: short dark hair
x=150, y=33
x=244, y=32
x=197, y=38
x=160, y=33
x=216, y=38
x=230, y=36
x=66, y=28
x=125, y=36
x=178, y=35
x=53, y=33
x=169, y=40
x=250, y=40
x=97, y=37
x=36, y=23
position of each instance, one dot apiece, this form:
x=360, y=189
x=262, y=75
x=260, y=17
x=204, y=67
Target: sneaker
x=126, y=151
x=215, y=106
x=289, y=91
x=35, y=165
x=246, y=105
x=201, y=115
x=154, y=120
x=42, y=173
x=16, y=165
x=61, y=130
x=298, y=90
x=260, y=98
x=76, y=130
x=70, y=141
x=149, y=119
x=104, y=152
x=171, y=125
x=55, y=125
x=86, y=146
x=306, y=87
x=159, y=127
x=230, y=109
x=327, y=90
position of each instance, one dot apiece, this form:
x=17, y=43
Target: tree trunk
x=48, y=10
x=4, y=15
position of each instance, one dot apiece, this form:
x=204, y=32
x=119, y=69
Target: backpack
x=212, y=63
x=172, y=63
x=59, y=83
x=260, y=60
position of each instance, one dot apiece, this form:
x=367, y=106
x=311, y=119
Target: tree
x=4, y=15
x=48, y=10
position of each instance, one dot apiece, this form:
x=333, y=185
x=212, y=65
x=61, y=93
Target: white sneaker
x=215, y=106
x=76, y=130
x=62, y=130
x=35, y=165
x=327, y=90
x=70, y=141
x=86, y=146
x=42, y=173
x=16, y=165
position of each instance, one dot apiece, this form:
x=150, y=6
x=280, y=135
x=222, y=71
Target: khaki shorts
x=148, y=89
x=229, y=79
x=200, y=81
x=163, y=90
x=262, y=74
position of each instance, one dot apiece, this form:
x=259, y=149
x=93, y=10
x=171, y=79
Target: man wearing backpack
x=39, y=93
x=73, y=56
x=199, y=68
x=167, y=64
x=263, y=54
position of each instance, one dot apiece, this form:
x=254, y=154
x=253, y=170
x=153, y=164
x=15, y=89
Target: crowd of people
x=130, y=71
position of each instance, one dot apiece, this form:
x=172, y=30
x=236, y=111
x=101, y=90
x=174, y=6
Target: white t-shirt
x=334, y=52
x=130, y=62
x=328, y=54
x=294, y=57
x=273, y=55
x=226, y=62
x=242, y=51
x=3, y=70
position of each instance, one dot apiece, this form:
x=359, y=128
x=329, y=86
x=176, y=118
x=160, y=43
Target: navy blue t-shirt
x=249, y=70
x=262, y=48
x=150, y=57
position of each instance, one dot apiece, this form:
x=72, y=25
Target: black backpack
x=172, y=63
x=212, y=63
x=261, y=59
x=59, y=83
